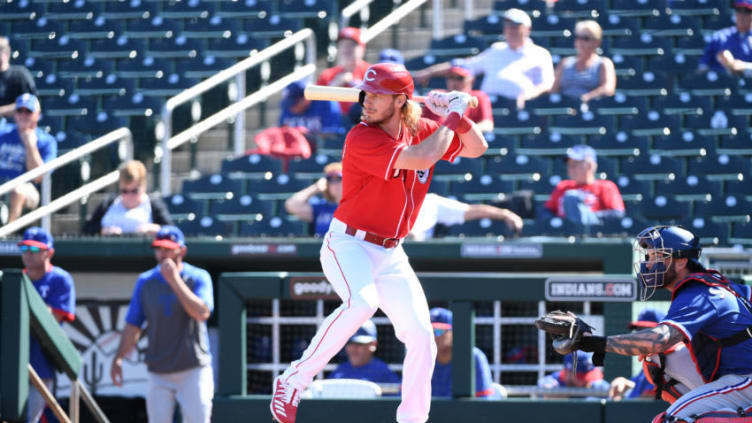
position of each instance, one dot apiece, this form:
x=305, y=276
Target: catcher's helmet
x=387, y=78
x=658, y=243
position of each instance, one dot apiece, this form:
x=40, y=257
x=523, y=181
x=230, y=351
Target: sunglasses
x=29, y=248
x=439, y=332
x=455, y=77
x=583, y=37
x=23, y=111
x=333, y=178
x=128, y=191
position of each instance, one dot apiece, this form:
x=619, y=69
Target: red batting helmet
x=387, y=78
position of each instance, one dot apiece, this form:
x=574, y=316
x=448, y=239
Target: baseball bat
x=350, y=95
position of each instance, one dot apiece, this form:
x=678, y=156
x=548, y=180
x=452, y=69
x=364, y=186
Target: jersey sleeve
x=612, y=197
x=203, y=288
x=475, y=64
x=135, y=315
x=553, y=201
x=483, y=380
x=708, y=58
x=63, y=297
x=372, y=151
x=690, y=310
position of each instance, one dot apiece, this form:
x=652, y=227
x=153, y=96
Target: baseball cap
x=459, y=70
x=351, y=33
x=365, y=334
x=745, y=4
x=441, y=318
x=584, y=362
x=391, y=55
x=28, y=101
x=647, y=318
x=518, y=16
x=292, y=94
x=582, y=152
x=169, y=237
x=37, y=237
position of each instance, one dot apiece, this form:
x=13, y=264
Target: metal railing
x=358, y=6
x=237, y=71
x=389, y=20
x=47, y=208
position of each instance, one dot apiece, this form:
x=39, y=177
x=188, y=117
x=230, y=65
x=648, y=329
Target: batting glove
x=458, y=102
x=438, y=103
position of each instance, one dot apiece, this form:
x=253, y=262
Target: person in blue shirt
x=56, y=288
x=441, y=382
x=173, y=300
x=317, y=117
x=316, y=204
x=585, y=375
x=731, y=48
x=361, y=363
x=22, y=149
x=709, y=313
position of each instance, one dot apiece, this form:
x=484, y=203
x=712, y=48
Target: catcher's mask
x=655, y=248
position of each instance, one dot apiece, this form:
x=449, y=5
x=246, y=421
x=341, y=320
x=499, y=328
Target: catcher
x=709, y=314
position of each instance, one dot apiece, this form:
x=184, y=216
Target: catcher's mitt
x=565, y=328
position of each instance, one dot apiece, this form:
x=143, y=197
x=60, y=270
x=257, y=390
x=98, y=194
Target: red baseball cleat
x=285, y=399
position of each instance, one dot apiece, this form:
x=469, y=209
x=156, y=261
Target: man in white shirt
x=517, y=68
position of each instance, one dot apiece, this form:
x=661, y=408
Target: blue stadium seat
x=650, y=82
x=216, y=186
x=717, y=22
x=272, y=26
x=547, y=143
x=690, y=46
x=39, y=29
x=68, y=140
x=184, y=208
x=313, y=165
x=685, y=143
x=652, y=167
x=107, y=85
x=71, y=11
x=633, y=189
x=194, y=9
x=518, y=167
x=708, y=83
x=457, y=45
x=650, y=123
x=481, y=187
x=481, y=228
x=693, y=8
x=117, y=10
x=170, y=85
x=619, y=104
x=664, y=209
x=460, y=166
x=135, y=104
x=95, y=124
x=318, y=9
x=143, y=67
x=243, y=9
x=423, y=61
x=120, y=47
x=274, y=227
x=587, y=123
x=157, y=28
x=671, y=25
x=620, y=144
x=553, y=104
x=237, y=46
x=741, y=233
x=736, y=104
x=205, y=226
x=527, y=5
x=717, y=122
x=627, y=66
x=720, y=166
x=736, y=145
x=631, y=8
x=739, y=187
x=683, y=103
x=63, y=47
x=641, y=45
x=279, y=187
x=551, y=25
x=39, y=68
x=252, y=166
x=212, y=28
x=500, y=141
x=485, y=27
x=710, y=233
x=88, y=67
x=627, y=226
x=202, y=66
x=673, y=63
x=51, y=124
x=95, y=29
x=439, y=187
x=691, y=187
x=556, y=227
x=241, y=207
x=53, y=86
x=178, y=47
x=614, y=25
x=69, y=105
x=518, y=122
x=730, y=208
x=585, y=9
x=21, y=10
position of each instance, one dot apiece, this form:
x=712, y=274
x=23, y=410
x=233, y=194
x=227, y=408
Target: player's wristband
x=595, y=344
x=457, y=123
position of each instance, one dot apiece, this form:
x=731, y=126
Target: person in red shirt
x=350, y=66
x=387, y=164
x=461, y=79
x=583, y=198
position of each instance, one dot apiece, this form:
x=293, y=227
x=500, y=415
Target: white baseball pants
x=193, y=389
x=367, y=277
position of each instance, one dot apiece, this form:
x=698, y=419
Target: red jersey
x=328, y=75
x=600, y=195
x=376, y=197
x=484, y=111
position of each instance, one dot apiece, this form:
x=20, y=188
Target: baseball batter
x=388, y=162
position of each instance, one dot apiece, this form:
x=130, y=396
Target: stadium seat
x=51, y=124
x=157, y=28
x=205, y=226
x=457, y=45
x=553, y=104
x=279, y=187
x=273, y=227
x=640, y=8
x=271, y=26
x=71, y=11
x=195, y=9
x=39, y=29
x=178, y=47
x=741, y=233
x=736, y=145
x=685, y=143
x=184, y=208
x=53, y=86
x=633, y=189
x=118, y=10
x=439, y=187
x=664, y=209
x=95, y=29
x=584, y=9
x=626, y=226
x=518, y=167
x=501, y=142
x=202, y=66
x=481, y=187
x=242, y=207
x=107, y=85
x=710, y=233
x=641, y=45
x=69, y=105
x=169, y=85
x=691, y=187
x=614, y=25
x=671, y=25
x=135, y=104
x=243, y=9
x=546, y=144
x=482, y=228
x=690, y=46
x=95, y=123
x=587, y=123
x=62, y=47
x=143, y=67
x=211, y=28
x=252, y=166
x=310, y=166
x=460, y=166
x=88, y=67
x=238, y=46
x=708, y=83
x=618, y=104
x=650, y=123
x=717, y=122
x=552, y=25
x=730, y=208
x=543, y=187
x=650, y=82
x=556, y=227
x=39, y=68
x=485, y=27
x=739, y=187
x=683, y=103
x=21, y=10
x=120, y=47
x=620, y=144
x=693, y=8
x=717, y=22
x=673, y=63
x=736, y=104
x=720, y=167
x=527, y=5
x=627, y=66
x=652, y=167
x=317, y=9
x=208, y=187
x=517, y=122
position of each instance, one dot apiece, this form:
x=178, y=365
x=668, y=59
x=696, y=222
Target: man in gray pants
x=174, y=299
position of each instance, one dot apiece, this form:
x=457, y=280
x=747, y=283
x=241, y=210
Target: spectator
x=583, y=198
x=22, y=149
x=316, y=117
x=131, y=212
x=14, y=81
x=586, y=375
x=391, y=55
x=461, y=79
x=517, y=68
x=441, y=383
x=56, y=288
x=350, y=67
x=361, y=364
x=638, y=386
x=729, y=47
x=437, y=209
x=174, y=300
x=587, y=75
x=318, y=211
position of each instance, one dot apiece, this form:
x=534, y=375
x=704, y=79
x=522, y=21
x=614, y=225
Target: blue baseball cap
x=441, y=318
x=582, y=152
x=37, y=237
x=584, y=362
x=292, y=94
x=365, y=334
x=391, y=55
x=169, y=237
x=28, y=101
x=647, y=318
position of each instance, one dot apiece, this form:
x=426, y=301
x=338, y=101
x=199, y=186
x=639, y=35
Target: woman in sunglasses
x=132, y=211
x=587, y=75
x=318, y=211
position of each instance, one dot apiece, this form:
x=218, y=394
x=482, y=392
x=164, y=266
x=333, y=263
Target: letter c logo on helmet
x=387, y=78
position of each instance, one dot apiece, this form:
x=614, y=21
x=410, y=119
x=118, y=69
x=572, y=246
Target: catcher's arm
x=647, y=341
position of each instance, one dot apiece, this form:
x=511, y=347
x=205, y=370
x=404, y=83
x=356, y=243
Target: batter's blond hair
x=411, y=112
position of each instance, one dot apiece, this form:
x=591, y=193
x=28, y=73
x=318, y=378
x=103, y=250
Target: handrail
x=103, y=141
x=237, y=71
x=351, y=9
x=392, y=18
